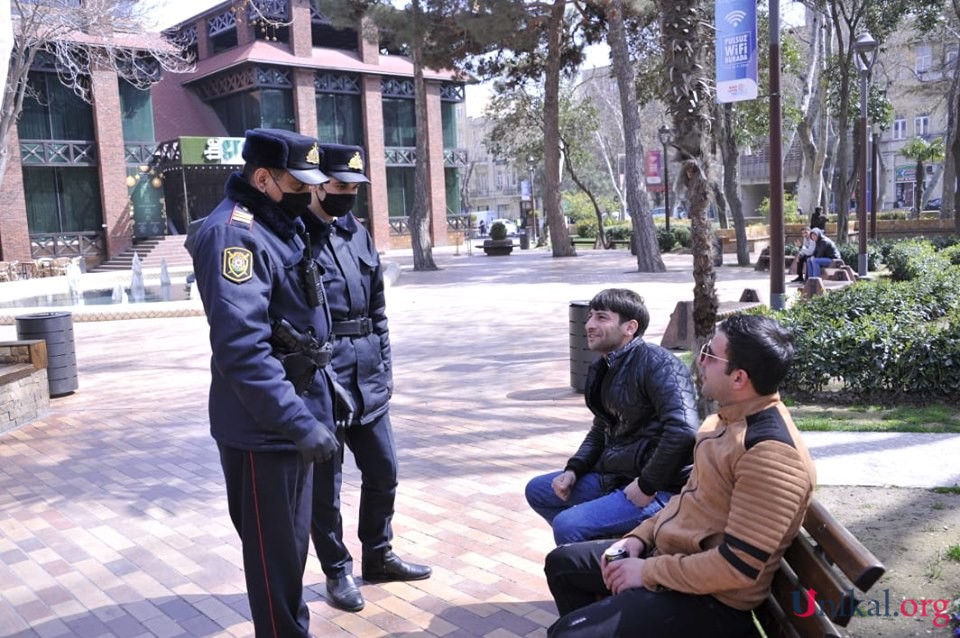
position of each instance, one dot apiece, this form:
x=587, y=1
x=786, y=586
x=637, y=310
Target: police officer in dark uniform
x=260, y=285
x=353, y=279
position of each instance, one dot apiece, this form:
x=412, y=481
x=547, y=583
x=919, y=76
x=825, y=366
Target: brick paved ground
x=113, y=518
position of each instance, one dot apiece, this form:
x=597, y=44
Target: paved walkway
x=113, y=518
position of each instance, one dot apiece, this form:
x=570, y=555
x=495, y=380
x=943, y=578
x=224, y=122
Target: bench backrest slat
x=785, y=583
x=842, y=548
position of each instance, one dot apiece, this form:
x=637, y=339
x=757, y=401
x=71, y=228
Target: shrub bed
x=886, y=340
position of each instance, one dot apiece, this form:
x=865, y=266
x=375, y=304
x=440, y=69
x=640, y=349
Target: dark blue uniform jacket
x=353, y=279
x=247, y=258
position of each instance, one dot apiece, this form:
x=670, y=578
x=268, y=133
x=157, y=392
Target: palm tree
x=923, y=152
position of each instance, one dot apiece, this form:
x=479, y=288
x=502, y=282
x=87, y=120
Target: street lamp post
x=666, y=137
x=532, y=217
x=866, y=50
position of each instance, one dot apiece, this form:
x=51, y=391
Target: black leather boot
x=344, y=593
x=387, y=566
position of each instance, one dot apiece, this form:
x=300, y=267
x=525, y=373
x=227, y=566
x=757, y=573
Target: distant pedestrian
x=482, y=228
x=818, y=219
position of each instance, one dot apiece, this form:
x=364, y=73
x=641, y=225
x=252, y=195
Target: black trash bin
x=56, y=328
x=524, y=239
x=580, y=354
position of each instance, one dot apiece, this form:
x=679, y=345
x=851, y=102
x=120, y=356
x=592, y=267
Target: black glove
x=319, y=445
x=343, y=406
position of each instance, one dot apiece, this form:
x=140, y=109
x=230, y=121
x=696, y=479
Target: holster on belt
x=360, y=327
x=300, y=354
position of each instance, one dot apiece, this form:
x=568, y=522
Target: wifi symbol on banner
x=735, y=17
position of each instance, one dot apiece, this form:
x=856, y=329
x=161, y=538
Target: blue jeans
x=814, y=264
x=589, y=513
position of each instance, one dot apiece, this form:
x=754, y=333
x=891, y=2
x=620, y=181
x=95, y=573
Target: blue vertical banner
x=736, y=24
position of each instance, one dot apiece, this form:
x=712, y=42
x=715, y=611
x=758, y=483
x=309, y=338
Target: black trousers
x=375, y=453
x=268, y=495
x=573, y=575
x=801, y=260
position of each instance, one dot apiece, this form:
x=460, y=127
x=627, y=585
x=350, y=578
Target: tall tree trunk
x=559, y=234
x=731, y=179
x=685, y=41
x=950, y=206
x=645, y=241
x=419, y=218
x=813, y=125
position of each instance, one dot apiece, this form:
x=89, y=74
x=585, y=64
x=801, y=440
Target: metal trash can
x=524, y=239
x=580, y=354
x=56, y=328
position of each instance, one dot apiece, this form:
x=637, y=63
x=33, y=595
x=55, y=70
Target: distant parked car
x=933, y=204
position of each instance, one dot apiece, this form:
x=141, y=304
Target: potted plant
x=498, y=244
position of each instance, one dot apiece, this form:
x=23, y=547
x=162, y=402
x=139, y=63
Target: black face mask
x=338, y=205
x=295, y=204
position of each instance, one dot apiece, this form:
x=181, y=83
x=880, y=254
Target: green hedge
x=882, y=340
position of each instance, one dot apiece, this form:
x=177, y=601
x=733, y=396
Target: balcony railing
x=81, y=244
x=55, y=152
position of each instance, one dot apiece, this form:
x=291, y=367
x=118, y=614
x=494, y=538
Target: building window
x=950, y=59
x=448, y=117
x=62, y=199
x=400, y=183
x=399, y=122
x=136, y=113
x=51, y=111
x=264, y=108
x=924, y=59
x=222, y=31
x=921, y=125
x=900, y=129
x=339, y=119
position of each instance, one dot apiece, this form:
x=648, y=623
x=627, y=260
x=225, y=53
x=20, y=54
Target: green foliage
x=666, y=239
x=791, y=214
x=953, y=553
x=587, y=228
x=498, y=231
x=883, y=340
x=619, y=231
x=850, y=253
x=909, y=259
x=681, y=233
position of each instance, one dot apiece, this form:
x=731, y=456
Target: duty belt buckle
x=366, y=326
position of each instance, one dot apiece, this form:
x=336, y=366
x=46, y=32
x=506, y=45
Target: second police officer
x=353, y=279
x=271, y=396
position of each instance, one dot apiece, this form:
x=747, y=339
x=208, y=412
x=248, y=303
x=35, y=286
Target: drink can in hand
x=615, y=553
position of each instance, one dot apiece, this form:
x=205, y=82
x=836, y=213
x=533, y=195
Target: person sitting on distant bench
x=807, y=246
x=823, y=254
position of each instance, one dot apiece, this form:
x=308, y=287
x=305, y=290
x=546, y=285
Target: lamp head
x=665, y=135
x=866, y=50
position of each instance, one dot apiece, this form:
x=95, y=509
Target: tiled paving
x=113, y=518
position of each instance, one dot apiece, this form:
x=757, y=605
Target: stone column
x=379, y=222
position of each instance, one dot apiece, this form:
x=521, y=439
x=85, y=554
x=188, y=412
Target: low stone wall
x=24, y=390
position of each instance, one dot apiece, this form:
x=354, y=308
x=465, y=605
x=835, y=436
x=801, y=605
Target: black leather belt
x=353, y=327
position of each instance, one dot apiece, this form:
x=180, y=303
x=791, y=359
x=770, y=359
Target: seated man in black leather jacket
x=640, y=449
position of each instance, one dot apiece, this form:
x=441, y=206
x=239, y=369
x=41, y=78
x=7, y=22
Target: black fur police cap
x=343, y=162
x=297, y=154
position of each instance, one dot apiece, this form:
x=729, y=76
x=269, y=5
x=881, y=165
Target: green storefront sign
x=906, y=173
x=200, y=151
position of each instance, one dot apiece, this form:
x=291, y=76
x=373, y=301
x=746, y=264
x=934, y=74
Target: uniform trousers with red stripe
x=268, y=495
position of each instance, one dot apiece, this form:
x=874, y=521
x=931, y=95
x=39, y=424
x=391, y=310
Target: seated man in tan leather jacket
x=699, y=566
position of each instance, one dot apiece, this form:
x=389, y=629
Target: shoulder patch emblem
x=237, y=264
x=241, y=216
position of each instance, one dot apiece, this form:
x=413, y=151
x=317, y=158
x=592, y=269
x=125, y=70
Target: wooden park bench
x=679, y=334
x=827, y=559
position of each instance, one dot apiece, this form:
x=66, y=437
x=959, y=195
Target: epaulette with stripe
x=241, y=216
